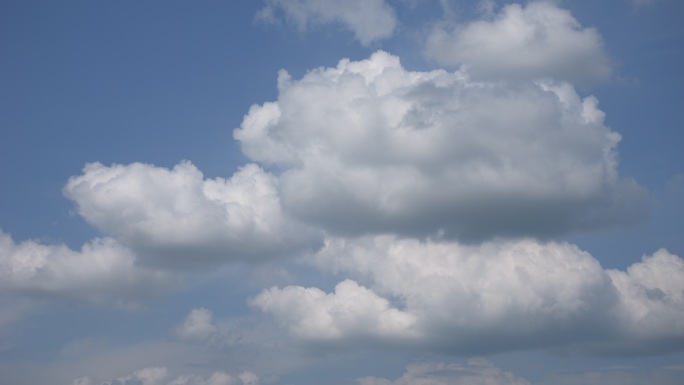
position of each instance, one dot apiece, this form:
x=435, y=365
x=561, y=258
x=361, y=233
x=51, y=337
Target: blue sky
x=361, y=192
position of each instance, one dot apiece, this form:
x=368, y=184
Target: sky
x=370, y=192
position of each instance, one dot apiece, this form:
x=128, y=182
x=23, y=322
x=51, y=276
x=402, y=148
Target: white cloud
x=652, y=296
x=368, y=146
x=476, y=372
x=201, y=328
x=198, y=326
x=103, y=271
x=368, y=20
x=352, y=313
x=176, y=218
x=492, y=297
x=147, y=376
x=160, y=376
x=537, y=40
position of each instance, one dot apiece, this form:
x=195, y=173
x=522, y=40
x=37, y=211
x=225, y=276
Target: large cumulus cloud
x=176, y=218
x=536, y=40
x=496, y=296
x=368, y=146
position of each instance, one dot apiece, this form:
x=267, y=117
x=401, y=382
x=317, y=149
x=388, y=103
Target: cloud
x=497, y=296
x=477, y=371
x=103, y=271
x=176, y=218
x=369, y=147
x=351, y=313
x=537, y=40
x=160, y=376
x=652, y=298
x=368, y=20
x=198, y=326
x=659, y=376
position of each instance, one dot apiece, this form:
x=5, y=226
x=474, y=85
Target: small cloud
x=536, y=40
x=368, y=20
x=160, y=376
x=198, y=326
x=675, y=185
x=475, y=372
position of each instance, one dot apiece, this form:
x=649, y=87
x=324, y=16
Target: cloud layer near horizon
x=161, y=376
x=474, y=372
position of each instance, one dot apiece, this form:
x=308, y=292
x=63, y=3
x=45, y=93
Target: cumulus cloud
x=198, y=326
x=160, y=376
x=176, y=218
x=351, y=313
x=368, y=20
x=479, y=299
x=476, y=371
x=103, y=271
x=652, y=298
x=536, y=40
x=368, y=146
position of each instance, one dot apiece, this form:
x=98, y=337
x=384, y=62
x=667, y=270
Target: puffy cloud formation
x=368, y=146
x=103, y=271
x=160, y=376
x=351, y=314
x=492, y=297
x=198, y=326
x=535, y=40
x=476, y=372
x=368, y=20
x=652, y=296
x=177, y=218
